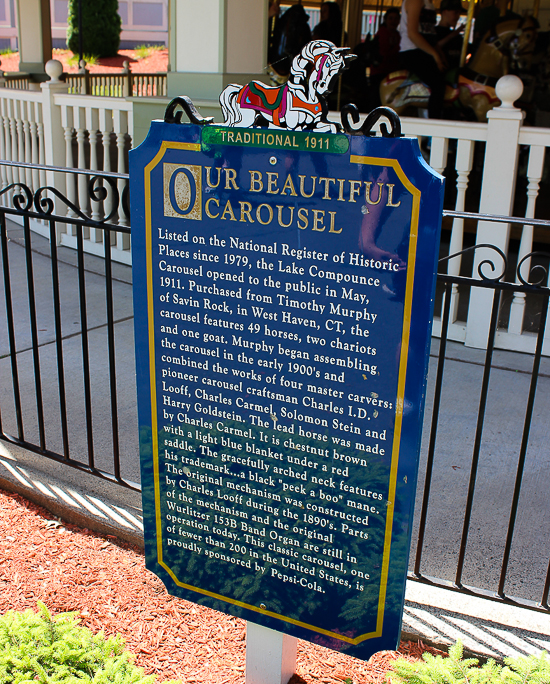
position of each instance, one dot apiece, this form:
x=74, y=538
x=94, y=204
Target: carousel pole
x=467, y=30
x=345, y=19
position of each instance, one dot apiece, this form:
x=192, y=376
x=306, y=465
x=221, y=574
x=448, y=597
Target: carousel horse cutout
x=297, y=105
x=509, y=44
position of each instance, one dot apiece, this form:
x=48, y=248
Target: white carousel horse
x=298, y=104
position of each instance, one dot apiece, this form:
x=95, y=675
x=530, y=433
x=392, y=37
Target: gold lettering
x=246, y=208
x=367, y=192
x=271, y=183
x=302, y=191
x=327, y=182
x=318, y=220
x=290, y=185
x=238, y=137
x=354, y=189
x=207, y=207
x=209, y=180
x=247, y=137
x=230, y=136
x=341, y=182
x=280, y=216
x=228, y=209
x=270, y=135
x=287, y=141
x=230, y=176
x=294, y=143
x=278, y=140
x=302, y=216
x=389, y=203
x=259, y=214
x=256, y=184
x=332, y=214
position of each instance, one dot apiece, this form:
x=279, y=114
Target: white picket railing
x=89, y=122
x=78, y=131
x=21, y=136
x=503, y=136
x=72, y=131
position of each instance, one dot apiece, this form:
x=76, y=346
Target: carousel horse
x=298, y=104
x=508, y=45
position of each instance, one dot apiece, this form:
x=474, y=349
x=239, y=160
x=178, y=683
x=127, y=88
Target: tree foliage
x=101, y=26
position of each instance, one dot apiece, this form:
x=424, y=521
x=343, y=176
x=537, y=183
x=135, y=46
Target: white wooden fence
x=78, y=131
x=504, y=136
x=73, y=131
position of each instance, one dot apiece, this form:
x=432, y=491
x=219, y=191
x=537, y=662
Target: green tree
x=101, y=26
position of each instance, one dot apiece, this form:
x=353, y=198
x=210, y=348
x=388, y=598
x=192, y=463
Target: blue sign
x=283, y=289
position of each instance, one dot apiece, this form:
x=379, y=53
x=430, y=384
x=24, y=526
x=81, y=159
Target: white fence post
x=497, y=197
x=54, y=142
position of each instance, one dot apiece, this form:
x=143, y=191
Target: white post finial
x=54, y=69
x=509, y=89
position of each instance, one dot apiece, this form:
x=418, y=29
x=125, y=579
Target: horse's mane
x=303, y=63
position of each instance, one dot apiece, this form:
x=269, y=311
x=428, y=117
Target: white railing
x=21, y=136
x=97, y=132
x=59, y=129
x=72, y=131
x=452, y=150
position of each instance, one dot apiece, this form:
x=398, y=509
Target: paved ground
x=65, y=489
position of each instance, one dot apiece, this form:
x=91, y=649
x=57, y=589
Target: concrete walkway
x=437, y=616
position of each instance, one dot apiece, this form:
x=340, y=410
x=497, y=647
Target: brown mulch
x=157, y=61
x=105, y=582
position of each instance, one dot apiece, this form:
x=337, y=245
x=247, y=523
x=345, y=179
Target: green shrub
x=144, y=51
x=455, y=670
x=38, y=648
x=101, y=26
x=89, y=59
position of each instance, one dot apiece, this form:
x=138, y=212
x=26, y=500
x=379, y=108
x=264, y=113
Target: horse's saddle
x=272, y=100
x=410, y=83
x=258, y=96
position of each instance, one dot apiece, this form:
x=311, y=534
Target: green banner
x=279, y=140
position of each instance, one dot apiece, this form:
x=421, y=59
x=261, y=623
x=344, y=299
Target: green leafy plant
x=144, y=51
x=101, y=26
x=36, y=647
x=89, y=59
x=456, y=670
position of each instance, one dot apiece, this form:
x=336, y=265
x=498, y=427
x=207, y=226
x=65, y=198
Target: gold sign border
x=416, y=194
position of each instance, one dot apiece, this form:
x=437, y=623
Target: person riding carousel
x=419, y=52
x=449, y=38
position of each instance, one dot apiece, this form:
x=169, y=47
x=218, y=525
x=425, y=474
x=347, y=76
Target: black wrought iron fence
x=511, y=553
x=42, y=303
x=67, y=383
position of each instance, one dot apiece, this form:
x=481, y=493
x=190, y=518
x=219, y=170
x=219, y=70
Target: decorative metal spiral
x=99, y=193
x=538, y=272
x=186, y=104
x=485, y=262
x=41, y=202
x=22, y=201
x=537, y=278
x=367, y=128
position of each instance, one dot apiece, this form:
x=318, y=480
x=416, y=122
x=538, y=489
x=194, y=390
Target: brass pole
x=467, y=30
x=345, y=19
